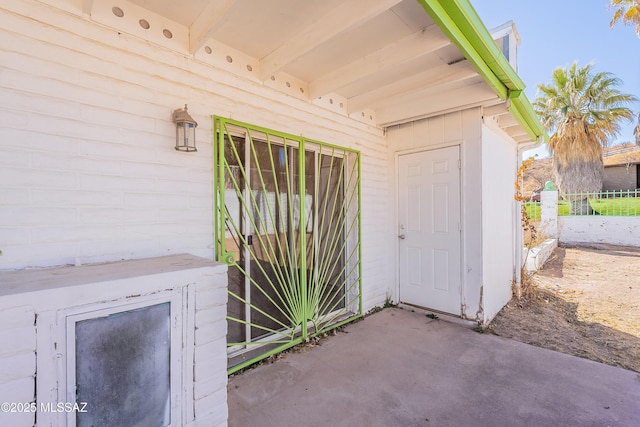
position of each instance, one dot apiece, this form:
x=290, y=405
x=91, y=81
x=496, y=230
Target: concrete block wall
x=29, y=325
x=89, y=172
x=610, y=230
x=620, y=178
x=17, y=363
x=588, y=229
x=210, y=355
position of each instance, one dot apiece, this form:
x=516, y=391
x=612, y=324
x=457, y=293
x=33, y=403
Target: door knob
x=401, y=236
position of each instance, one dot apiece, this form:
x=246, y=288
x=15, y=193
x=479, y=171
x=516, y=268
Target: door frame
x=396, y=212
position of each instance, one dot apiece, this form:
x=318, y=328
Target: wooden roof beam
x=423, y=105
x=496, y=110
x=345, y=16
x=442, y=75
x=211, y=17
x=420, y=43
x=87, y=6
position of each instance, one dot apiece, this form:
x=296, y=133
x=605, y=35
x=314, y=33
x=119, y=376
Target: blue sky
x=554, y=33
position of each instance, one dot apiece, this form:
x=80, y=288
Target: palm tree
x=636, y=131
x=628, y=11
x=581, y=110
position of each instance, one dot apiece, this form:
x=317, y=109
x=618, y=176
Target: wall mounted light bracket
x=185, y=130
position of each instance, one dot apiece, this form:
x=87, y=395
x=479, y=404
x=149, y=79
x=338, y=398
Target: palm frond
x=582, y=110
x=627, y=11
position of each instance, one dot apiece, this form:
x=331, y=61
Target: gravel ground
x=584, y=302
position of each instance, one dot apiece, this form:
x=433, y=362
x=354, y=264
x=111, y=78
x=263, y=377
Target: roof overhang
x=460, y=21
x=382, y=62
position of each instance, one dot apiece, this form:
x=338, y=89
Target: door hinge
x=459, y=164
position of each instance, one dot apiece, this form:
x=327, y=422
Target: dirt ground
x=584, y=302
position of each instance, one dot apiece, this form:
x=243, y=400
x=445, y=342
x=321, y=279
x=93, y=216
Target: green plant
x=582, y=110
x=533, y=209
x=624, y=206
x=522, y=289
x=526, y=220
x=432, y=316
x=388, y=302
x=627, y=11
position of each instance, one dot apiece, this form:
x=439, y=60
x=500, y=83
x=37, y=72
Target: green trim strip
x=302, y=238
x=442, y=16
x=521, y=106
x=459, y=20
x=474, y=29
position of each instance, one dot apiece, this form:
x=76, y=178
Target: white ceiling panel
x=381, y=56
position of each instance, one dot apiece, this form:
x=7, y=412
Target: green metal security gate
x=288, y=226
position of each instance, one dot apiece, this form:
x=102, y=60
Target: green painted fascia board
x=458, y=20
x=442, y=17
x=520, y=106
x=472, y=26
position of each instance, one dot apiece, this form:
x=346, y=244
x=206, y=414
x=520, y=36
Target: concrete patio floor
x=400, y=368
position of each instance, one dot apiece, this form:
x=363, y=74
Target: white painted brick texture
x=71, y=287
x=610, y=230
x=89, y=171
x=17, y=362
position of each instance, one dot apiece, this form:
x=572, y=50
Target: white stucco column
x=549, y=211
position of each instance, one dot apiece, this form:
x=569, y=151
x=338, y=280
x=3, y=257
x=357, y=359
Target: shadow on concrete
x=400, y=368
x=624, y=251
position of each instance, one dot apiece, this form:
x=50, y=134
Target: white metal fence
x=611, y=217
x=605, y=203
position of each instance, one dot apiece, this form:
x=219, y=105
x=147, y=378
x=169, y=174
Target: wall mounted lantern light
x=185, y=130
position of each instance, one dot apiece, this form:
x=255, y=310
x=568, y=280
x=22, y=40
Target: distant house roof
x=621, y=155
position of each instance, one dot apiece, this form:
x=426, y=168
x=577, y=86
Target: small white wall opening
x=148, y=336
x=119, y=360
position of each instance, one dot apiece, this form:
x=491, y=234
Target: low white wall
x=33, y=304
x=535, y=258
x=612, y=230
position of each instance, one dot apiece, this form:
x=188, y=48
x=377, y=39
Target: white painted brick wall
x=53, y=291
x=89, y=170
x=611, y=230
x=17, y=362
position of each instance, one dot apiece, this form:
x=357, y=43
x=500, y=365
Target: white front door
x=429, y=229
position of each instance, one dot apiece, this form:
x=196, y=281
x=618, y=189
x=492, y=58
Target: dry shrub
x=531, y=240
x=527, y=291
